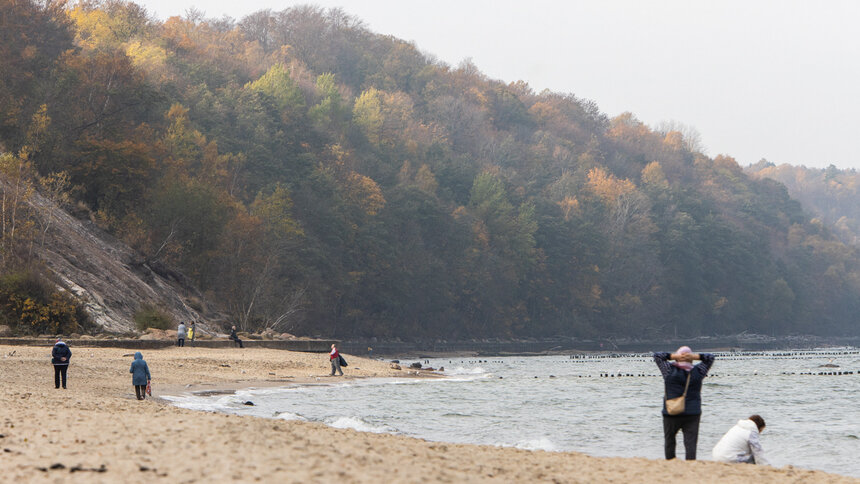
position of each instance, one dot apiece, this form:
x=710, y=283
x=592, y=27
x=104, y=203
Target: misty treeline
x=831, y=194
x=312, y=176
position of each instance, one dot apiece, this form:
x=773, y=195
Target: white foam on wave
x=246, y=394
x=466, y=371
x=356, y=423
x=541, y=443
x=289, y=416
x=207, y=403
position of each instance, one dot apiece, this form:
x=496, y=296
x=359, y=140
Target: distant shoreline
x=473, y=348
x=567, y=346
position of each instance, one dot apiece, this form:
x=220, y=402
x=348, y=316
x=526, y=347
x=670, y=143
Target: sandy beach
x=96, y=431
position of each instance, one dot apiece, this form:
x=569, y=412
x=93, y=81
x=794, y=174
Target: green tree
x=328, y=113
x=367, y=115
x=276, y=82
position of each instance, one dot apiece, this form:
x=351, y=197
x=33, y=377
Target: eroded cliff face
x=108, y=276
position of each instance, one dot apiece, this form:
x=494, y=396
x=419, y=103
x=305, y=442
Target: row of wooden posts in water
x=717, y=375
x=732, y=355
x=721, y=355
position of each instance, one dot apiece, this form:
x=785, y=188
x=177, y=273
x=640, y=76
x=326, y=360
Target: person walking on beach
x=741, y=443
x=140, y=376
x=682, y=379
x=235, y=337
x=60, y=356
x=180, y=334
x=334, y=357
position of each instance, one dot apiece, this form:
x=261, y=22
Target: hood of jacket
x=748, y=424
x=60, y=343
x=139, y=356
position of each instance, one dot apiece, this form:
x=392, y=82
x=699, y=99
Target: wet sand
x=96, y=431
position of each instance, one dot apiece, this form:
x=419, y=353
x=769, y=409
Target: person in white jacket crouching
x=741, y=443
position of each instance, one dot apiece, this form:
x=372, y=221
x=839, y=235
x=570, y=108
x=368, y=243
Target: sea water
x=601, y=406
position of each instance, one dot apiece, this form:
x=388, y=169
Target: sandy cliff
x=108, y=276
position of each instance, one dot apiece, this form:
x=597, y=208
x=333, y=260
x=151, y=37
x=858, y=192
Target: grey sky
x=758, y=79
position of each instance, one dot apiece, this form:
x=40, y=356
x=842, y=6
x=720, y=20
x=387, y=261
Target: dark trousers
x=60, y=370
x=140, y=391
x=689, y=425
x=238, y=342
x=180, y=342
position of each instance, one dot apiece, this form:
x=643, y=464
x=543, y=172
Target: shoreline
x=535, y=347
x=97, y=432
x=232, y=408
x=231, y=388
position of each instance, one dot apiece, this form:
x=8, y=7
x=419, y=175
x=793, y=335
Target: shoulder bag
x=675, y=406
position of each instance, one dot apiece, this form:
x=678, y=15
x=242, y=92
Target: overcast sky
x=758, y=79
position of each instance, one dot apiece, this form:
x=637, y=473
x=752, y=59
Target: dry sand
x=96, y=431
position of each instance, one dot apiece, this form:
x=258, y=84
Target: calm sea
x=602, y=406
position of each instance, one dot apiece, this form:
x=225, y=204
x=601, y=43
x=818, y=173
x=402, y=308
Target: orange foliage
x=653, y=176
x=363, y=192
x=607, y=186
x=625, y=127
x=726, y=162
x=569, y=205
x=544, y=112
x=674, y=140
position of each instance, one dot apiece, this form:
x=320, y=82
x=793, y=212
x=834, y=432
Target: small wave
x=249, y=393
x=356, y=423
x=541, y=443
x=255, y=391
x=289, y=416
x=466, y=371
x=455, y=414
x=209, y=404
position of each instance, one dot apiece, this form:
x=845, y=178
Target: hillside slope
x=104, y=273
x=830, y=194
x=317, y=178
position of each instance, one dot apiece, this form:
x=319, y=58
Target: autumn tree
x=16, y=219
x=33, y=37
x=316, y=177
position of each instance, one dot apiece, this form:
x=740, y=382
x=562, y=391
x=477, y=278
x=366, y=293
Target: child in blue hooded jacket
x=140, y=376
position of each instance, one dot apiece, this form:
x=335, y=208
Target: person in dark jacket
x=235, y=338
x=675, y=377
x=60, y=356
x=140, y=376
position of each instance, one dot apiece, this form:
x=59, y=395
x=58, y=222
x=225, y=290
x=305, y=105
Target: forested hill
x=831, y=194
x=316, y=177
